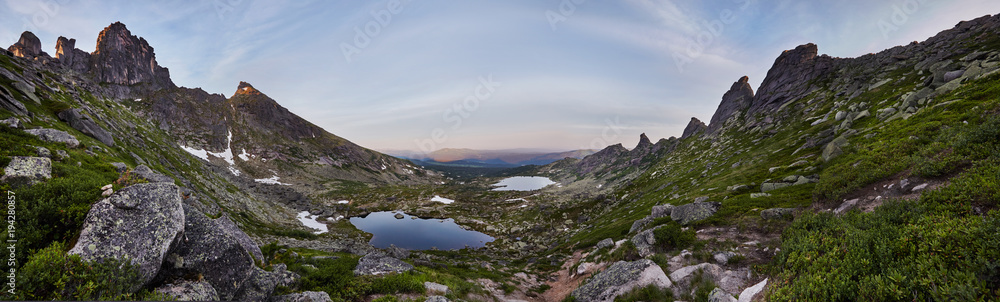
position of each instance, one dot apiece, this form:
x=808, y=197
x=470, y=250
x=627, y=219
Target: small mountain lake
x=522, y=183
x=411, y=232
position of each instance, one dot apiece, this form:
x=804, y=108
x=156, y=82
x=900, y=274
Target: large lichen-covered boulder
x=56, y=136
x=661, y=211
x=189, y=291
x=27, y=170
x=620, y=278
x=694, y=211
x=260, y=284
x=140, y=223
x=217, y=250
x=150, y=175
x=303, y=297
x=378, y=262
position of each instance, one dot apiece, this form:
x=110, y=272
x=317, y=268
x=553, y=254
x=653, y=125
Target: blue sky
x=554, y=74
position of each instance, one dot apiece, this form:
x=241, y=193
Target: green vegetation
x=670, y=237
x=647, y=293
x=51, y=274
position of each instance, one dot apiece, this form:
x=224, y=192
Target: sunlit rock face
x=121, y=58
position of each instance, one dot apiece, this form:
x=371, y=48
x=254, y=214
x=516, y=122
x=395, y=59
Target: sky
x=544, y=74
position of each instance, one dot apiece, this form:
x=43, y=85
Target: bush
x=51, y=274
x=671, y=237
x=647, y=293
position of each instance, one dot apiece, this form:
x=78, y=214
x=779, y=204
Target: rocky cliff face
x=28, y=46
x=695, y=126
x=737, y=100
x=124, y=59
x=72, y=57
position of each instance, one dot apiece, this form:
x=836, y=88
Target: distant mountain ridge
x=506, y=157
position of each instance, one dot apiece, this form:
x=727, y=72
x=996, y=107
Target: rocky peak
x=694, y=126
x=246, y=89
x=124, y=59
x=737, y=99
x=28, y=46
x=70, y=56
x=788, y=77
x=644, y=142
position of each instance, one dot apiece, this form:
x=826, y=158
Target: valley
x=868, y=178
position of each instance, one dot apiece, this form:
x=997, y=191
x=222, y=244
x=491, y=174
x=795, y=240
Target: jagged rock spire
x=28, y=46
x=694, y=126
x=737, y=99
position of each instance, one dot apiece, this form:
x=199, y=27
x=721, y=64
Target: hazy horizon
x=553, y=75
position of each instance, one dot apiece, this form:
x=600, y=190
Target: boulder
x=723, y=257
x=695, y=211
x=737, y=188
x=260, y=285
x=840, y=115
x=150, y=175
x=769, y=186
x=682, y=277
x=748, y=293
x=56, y=136
x=620, y=278
x=28, y=90
x=13, y=105
x=303, y=297
x=607, y=242
x=28, y=46
x=435, y=287
x=776, y=213
x=397, y=252
x=189, y=291
x=759, y=195
x=719, y=295
x=12, y=122
x=27, y=170
x=644, y=242
x=847, y=205
x=80, y=121
x=639, y=224
x=378, y=263
x=436, y=299
x=661, y=211
x=953, y=75
x=44, y=152
x=140, y=223
x=834, y=148
x=217, y=250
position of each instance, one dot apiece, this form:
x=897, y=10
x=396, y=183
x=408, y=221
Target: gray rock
x=189, y=291
x=260, y=285
x=56, y=136
x=723, y=257
x=735, y=188
x=436, y=299
x=885, y=113
x=834, y=148
x=61, y=155
x=620, y=278
x=759, y=195
x=765, y=187
x=733, y=281
x=861, y=115
x=692, y=212
x=398, y=216
x=147, y=173
x=27, y=170
x=847, y=205
x=840, y=115
x=435, y=287
x=397, y=252
x=28, y=90
x=919, y=188
x=719, y=295
x=217, y=250
x=303, y=297
x=140, y=223
x=606, y=243
x=791, y=178
x=44, y=152
x=802, y=180
x=776, y=213
x=378, y=263
x=701, y=199
x=80, y=121
x=748, y=293
x=639, y=224
x=695, y=126
x=736, y=100
x=661, y=211
x=120, y=167
x=12, y=122
x=953, y=75
x=8, y=102
x=644, y=242
x=682, y=277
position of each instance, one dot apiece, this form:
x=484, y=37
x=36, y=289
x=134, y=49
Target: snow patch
x=442, y=199
x=244, y=156
x=310, y=221
x=273, y=180
x=343, y=202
